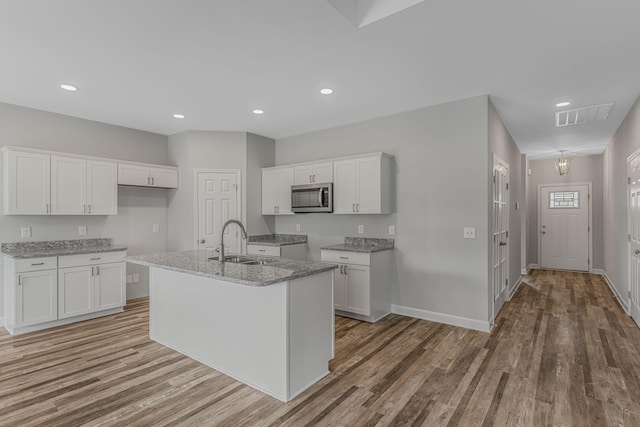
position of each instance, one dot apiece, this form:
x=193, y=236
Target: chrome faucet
x=231, y=221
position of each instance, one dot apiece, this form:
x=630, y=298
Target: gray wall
x=501, y=143
x=581, y=169
x=441, y=187
x=138, y=209
x=217, y=150
x=624, y=143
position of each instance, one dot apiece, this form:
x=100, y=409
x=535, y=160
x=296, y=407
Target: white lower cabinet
x=361, y=284
x=44, y=292
x=35, y=297
x=298, y=251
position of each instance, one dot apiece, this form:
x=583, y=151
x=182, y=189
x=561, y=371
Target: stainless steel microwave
x=312, y=198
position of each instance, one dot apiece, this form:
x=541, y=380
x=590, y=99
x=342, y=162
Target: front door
x=564, y=227
x=218, y=195
x=500, y=243
x=634, y=236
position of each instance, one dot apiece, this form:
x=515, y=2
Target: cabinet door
x=323, y=172
x=133, y=175
x=110, y=288
x=75, y=291
x=269, y=192
x=340, y=288
x=36, y=297
x=164, y=178
x=27, y=183
x=68, y=186
x=344, y=187
x=303, y=174
x=285, y=181
x=358, y=290
x=102, y=188
x=369, y=190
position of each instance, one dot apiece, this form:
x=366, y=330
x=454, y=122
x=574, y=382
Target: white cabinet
x=362, y=185
x=147, y=176
x=44, y=292
x=276, y=191
x=27, y=189
x=314, y=173
x=35, y=297
x=361, y=283
x=83, y=187
x=298, y=251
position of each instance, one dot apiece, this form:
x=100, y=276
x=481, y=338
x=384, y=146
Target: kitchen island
x=265, y=321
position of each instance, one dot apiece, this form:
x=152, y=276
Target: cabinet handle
x=314, y=178
x=357, y=207
x=353, y=207
x=84, y=208
x=310, y=179
x=153, y=180
x=344, y=257
x=92, y=271
x=274, y=209
x=97, y=271
x=19, y=280
x=261, y=250
x=94, y=259
x=89, y=206
x=37, y=263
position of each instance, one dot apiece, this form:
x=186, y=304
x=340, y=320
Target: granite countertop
x=198, y=263
x=362, y=244
x=25, y=250
x=277, y=239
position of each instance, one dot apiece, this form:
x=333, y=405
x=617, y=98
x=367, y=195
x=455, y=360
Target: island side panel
x=236, y=329
x=311, y=330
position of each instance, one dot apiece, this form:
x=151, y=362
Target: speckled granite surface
x=58, y=248
x=197, y=262
x=277, y=239
x=362, y=244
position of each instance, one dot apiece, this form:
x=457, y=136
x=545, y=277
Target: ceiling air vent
x=578, y=116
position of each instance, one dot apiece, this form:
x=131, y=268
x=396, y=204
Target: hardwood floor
x=563, y=353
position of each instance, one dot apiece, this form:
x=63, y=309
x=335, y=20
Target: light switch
x=469, y=232
x=360, y=229
x=129, y=278
x=392, y=230
x=82, y=230
x=25, y=231
x=156, y=228
x=136, y=278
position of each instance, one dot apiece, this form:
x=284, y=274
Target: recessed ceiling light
x=69, y=87
x=179, y=116
x=258, y=112
x=326, y=91
x=563, y=104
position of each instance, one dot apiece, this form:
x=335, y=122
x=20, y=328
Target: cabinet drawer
x=36, y=264
x=91, y=259
x=344, y=257
x=263, y=250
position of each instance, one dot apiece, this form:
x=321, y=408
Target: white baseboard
x=449, y=319
x=515, y=288
x=533, y=267
x=524, y=271
x=1, y=321
x=621, y=301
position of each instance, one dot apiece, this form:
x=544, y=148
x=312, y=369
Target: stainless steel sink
x=236, y=259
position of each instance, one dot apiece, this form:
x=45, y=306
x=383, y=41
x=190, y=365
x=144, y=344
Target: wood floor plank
x=562, y=353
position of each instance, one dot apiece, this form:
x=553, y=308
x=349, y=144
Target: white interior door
x=218, y=194
x=564, y=227
x=634, y=236
x=500, y=230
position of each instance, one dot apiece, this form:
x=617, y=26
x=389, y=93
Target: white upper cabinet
x=314, y=173
x=83, y=187
x=147, y=176
x=362, y=185
x=276, y=191
x=27, y=183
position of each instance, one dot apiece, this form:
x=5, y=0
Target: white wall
x=501, y=143
x=441, y=182
x=581, y=169
x=138, y=209
x=624, y=143
x=261, y=153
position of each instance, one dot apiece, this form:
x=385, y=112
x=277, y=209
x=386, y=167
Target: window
x=564, y=200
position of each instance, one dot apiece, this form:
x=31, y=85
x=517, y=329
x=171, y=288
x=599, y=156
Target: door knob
x=503, y=243
x=637, y=251
x=201, y=240
x=543, y=232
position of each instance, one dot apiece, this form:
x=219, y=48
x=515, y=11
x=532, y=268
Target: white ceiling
x=139, y=62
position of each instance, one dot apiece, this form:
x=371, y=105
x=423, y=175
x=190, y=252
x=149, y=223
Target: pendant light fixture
x=562, y=164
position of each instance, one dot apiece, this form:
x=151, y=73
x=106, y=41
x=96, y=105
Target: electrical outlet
x=469, y=232
x=298, y=227
x=392, y=230
x=136, y=278
x=360, y=229
x=156, y=228
x=129, y=278
x=25, y=231
x=82, y=230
